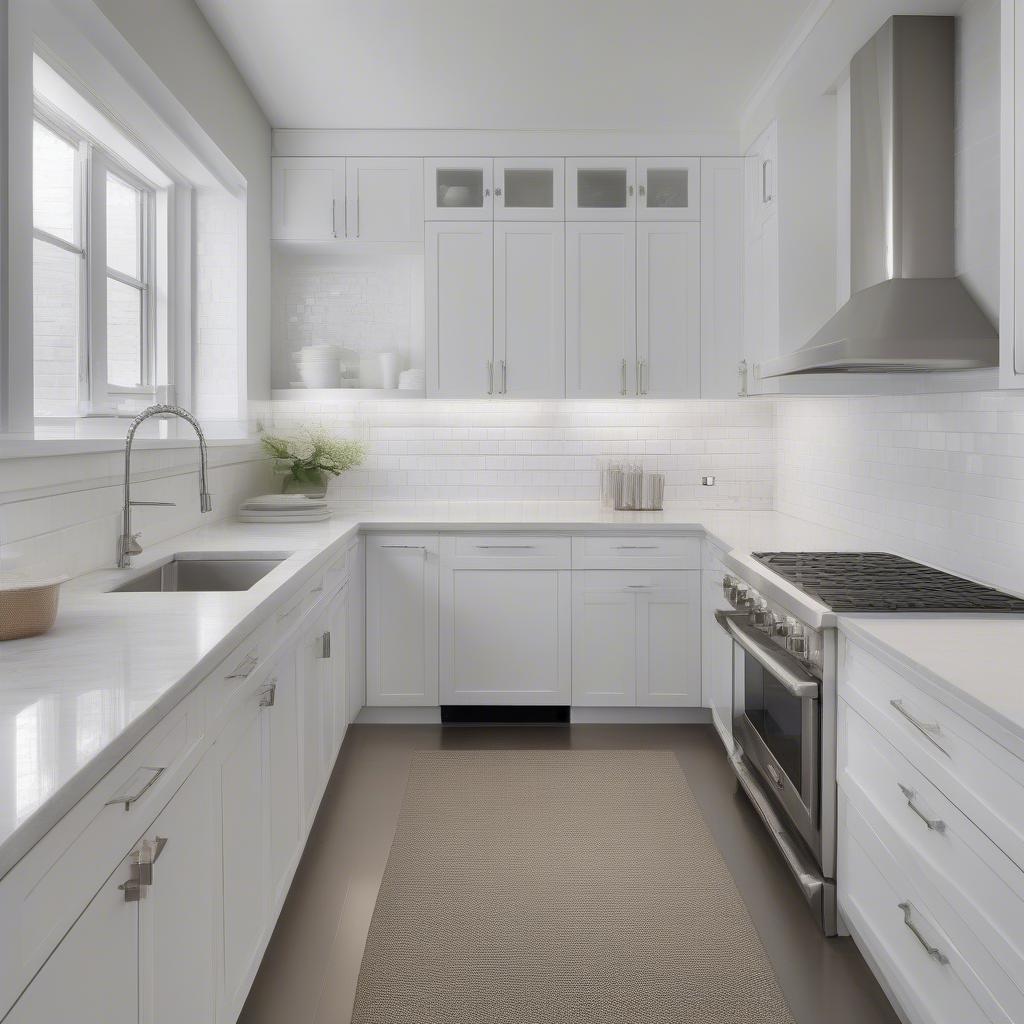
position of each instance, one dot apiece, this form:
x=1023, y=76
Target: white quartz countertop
x=75, y=701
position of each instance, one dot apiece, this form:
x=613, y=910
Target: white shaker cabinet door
x=385, y=199
x=283, y=791
x=604, y=644
x=529, y=310
x=506, y=636
x=92, y=976
x=460, y=310
x=600, y=189
x=668, y=188
x=308, y=198
x=401, y=620
x=238, y=763
x=721, y=276
x=337, y=668
x=314, y=708
x=176, y=936
x=668, y=651
x=600, y=310
x=668, y=309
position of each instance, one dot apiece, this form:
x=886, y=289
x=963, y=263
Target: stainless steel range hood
x=907, y=312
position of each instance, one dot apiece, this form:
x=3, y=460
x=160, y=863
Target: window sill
x=98, y=435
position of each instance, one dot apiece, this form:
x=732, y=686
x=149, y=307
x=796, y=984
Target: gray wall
x=174, y=39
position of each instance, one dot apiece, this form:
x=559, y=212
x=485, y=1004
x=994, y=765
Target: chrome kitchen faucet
x=129, y=544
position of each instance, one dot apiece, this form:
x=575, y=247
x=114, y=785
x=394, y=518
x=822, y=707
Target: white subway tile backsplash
x=489, y=451
x=937, y=477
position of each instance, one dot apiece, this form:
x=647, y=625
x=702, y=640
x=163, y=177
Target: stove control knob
x=796, y=640
x=729, y=586
x=776, y=624
x=745, y=599
x=760, y=616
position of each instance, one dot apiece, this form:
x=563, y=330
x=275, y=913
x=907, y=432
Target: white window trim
x=96, y=395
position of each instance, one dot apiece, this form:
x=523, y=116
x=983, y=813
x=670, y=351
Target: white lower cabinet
x=314, y=707
x=92, y=976
x=281, y=723
x=336, y=666
x=716, y=653
x=401, y=620
x=176, y=929
x=238, y=756
x=636, y=639
x=505, y=620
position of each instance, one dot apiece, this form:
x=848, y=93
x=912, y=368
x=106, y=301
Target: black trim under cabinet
x=504, y=714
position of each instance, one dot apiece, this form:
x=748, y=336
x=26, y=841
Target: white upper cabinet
x=384, y=199
x=600, y=310
x=721, y=276
x=308, y=198
x=458, y=189
x=1011, y=287
x=668, y=188
x=668, y=310
x=529, y=189
x=459, y=285
x=600, y=188
x=529, y=310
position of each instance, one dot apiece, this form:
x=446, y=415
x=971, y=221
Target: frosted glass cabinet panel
x=529, y=189
x=668, y=188
x=458, y=189
x=600, y=188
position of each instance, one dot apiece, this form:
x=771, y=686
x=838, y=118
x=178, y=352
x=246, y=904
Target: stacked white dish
x=319, y=366
x=411, y=380
x=284, y=508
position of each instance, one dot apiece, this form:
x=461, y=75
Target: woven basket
x=27, y=607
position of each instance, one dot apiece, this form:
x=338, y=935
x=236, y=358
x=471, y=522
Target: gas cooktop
x=875, y=581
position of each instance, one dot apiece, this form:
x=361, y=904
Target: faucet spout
x=128, y=544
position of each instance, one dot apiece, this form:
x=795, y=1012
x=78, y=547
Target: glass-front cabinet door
x=526, y=188
x=458, y=189
x=668, y=188
x=600, y=188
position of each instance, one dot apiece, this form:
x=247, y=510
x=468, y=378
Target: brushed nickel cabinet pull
x=927, y=729
x=245, y=668
x=140, y=781
x=325, y=645
x=934, y=824
x=933, y=951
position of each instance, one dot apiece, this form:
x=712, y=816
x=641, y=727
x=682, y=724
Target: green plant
x=310, y=452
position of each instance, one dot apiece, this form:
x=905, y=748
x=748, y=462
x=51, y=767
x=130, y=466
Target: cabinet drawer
x=947, y=853
x=635, y=552
x=506, y=551
x=236, y=671
x=46, y=891
x=933, y=964
x=983, y=779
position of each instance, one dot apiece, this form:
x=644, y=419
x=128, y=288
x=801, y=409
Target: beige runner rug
x=570, y=887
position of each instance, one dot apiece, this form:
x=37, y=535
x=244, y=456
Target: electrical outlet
x=707, y=481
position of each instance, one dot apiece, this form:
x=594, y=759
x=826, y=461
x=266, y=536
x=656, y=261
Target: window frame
x=96, y=395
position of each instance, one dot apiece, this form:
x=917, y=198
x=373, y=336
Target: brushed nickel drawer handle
x=927, y=729
x=268, y=694
x=636, y=547
x=143, y=784
x=933, y=951
x=934, y=824
x=507, y=547
x=406, y=547
x=325, y=645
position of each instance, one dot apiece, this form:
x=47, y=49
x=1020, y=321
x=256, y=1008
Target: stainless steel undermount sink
x=194, y=573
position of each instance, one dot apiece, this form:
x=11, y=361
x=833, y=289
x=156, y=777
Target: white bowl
x=316, y=375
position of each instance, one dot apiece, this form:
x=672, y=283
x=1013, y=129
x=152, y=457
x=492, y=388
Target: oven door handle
x=784, y=667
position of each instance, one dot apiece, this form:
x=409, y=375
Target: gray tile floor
x=309, y=973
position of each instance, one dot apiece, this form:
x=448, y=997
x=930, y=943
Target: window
x=93, y=295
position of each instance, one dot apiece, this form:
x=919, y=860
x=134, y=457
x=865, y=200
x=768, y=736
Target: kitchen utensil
x=387, y=367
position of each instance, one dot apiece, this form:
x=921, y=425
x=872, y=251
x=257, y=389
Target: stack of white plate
x=411, y=380
x=319, y=366
x=284, y=508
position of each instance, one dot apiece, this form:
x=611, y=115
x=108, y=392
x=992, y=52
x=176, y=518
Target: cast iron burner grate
x=875, y=581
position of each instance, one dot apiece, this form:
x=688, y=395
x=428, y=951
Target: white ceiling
x=640, y=65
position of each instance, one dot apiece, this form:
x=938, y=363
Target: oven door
x=777, y=724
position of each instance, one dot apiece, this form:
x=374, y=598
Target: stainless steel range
x=783, y=629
